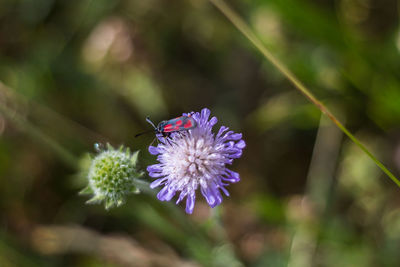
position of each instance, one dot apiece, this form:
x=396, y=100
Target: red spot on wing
x=167, y=127
x=173, y=129
x=188, y=124
x=179, y=124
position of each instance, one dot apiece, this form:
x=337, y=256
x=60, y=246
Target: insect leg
x=153, y=141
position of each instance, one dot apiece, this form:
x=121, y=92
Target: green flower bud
x=111, y=176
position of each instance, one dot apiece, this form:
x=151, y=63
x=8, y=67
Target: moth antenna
x=139, y=134
x=149, y=121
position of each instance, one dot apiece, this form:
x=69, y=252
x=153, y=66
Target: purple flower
x=194, y=159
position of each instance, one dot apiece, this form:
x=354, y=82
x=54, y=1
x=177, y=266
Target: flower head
x=111, y=176
x=196, y=159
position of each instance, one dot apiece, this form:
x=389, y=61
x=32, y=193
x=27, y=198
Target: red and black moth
x=166, y=127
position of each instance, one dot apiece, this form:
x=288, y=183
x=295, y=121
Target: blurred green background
x=74, y=73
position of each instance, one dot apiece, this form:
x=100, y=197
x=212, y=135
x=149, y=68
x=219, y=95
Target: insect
x=166, y=127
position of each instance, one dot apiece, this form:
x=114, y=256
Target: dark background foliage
x=74, y=73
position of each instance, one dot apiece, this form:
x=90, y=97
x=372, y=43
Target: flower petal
x=235, y=136
x=190, y=201
x=154, y=168
x=235, y=154
x=231, y=176
x=224, y=190
x=166, y=194
x=212, y=195
x=155, y=174
x=241, y=144
x=222, y=130
x=158, y=182
x=205, y=113
x=154, y=150
x=227, y=135
x=213, y=121
x=182, y=195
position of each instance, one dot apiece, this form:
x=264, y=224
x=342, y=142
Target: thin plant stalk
x=34, y=132
x=243, y=27
x=48, y=114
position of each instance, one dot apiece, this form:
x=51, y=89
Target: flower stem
x=241, y=25
x=176, y=213
x=35, y=133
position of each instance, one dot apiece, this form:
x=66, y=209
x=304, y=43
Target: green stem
x=34, y=132
x=191, y=230
x=176, y=213
x=241, y=25
x=48, y=114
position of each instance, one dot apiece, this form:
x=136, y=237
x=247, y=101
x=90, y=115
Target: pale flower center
x=192, y=156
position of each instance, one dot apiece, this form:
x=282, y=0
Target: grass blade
x=243, y=27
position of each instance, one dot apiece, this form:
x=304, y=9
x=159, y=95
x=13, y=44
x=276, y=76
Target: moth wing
x=189, y=123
